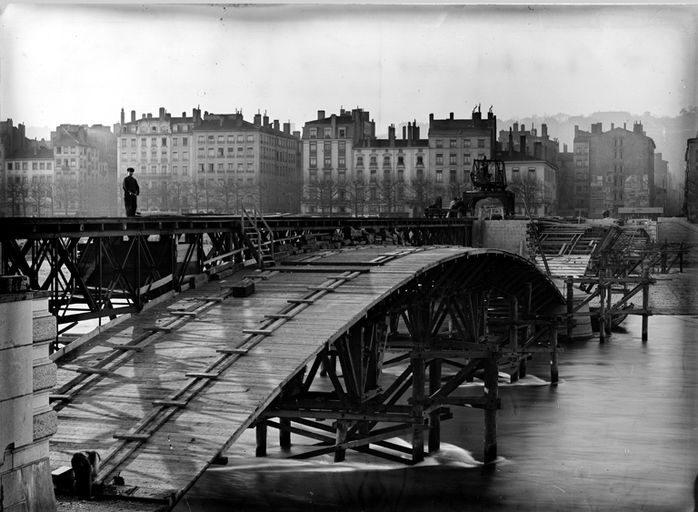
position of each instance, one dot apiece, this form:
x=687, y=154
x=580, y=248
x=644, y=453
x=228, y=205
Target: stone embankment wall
x=26, y=419
x=678, y=229
x=508, y=235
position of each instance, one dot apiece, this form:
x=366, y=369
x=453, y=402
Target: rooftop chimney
x=133, y=116
x=162, y=113
x=287, y=128
x=511, y=141
x=522, y=144
x=276, y=124
x=451, y=116
x=258, y=119
x=537, y=147
x=404, y=132
x=265, y=119
x=320, y=114
x=391, y=135
x=544, y=130
x=123, y=116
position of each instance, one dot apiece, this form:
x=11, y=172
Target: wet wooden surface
x=172, y=344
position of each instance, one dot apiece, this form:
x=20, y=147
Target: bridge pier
x=26, y=419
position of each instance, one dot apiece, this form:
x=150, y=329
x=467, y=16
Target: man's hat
x=130, y=169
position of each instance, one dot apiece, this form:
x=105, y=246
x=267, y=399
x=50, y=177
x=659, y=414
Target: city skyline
x=83, y=63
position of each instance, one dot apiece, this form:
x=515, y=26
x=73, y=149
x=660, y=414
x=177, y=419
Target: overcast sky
x=83, y=63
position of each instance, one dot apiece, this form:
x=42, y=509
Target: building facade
x=211, y=163
x=453, y=146
x=83, y=182
x=617, y=168
x=390, y=175
x=331, y=184
x=29, y=181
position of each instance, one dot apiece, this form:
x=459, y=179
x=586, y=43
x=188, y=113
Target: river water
x=618, y=433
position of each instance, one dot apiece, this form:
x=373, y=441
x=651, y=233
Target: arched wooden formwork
x=479, y=311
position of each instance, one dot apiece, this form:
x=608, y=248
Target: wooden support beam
x=285, y=433
x=170, y=403
x=261, y=438
x=645, y=301
x=341, y=438
x=300, y=301
x=434, y=416
x=262, y=332
x=93, y=370
x=126, y=436
x=202, y=375
x=233, y=351
x=554, y=374
x=491, y=391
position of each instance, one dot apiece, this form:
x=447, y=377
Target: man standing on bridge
x=131, y=191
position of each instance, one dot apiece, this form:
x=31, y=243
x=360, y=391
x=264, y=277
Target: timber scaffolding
x=166, y=393
x=610, y=263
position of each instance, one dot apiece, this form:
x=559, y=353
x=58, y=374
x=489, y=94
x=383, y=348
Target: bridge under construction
x=209, y=326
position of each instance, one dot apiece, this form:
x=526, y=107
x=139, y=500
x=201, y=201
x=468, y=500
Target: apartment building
x=453, y=146
x=613, y=169
x=390, y=175
x=83, y=182
x=212, y=163
x=532, y=175
x=29, y=180
x=330, y=184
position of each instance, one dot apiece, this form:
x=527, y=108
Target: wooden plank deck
x=169, y=362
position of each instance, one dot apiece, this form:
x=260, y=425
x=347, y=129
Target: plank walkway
x=161, y=394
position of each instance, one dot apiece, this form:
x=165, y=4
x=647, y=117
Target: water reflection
x=620, y=433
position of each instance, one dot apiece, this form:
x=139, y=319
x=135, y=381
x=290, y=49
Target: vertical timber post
x=570, y=305
x=422, y=327
x=554, y=374
x=645, y=300
x=284, y=434
x=514, y=336
x=602, y=310
x=340, y=452
x=491, y=390
x=434, y=416
x=609, y=307
x=261, y=438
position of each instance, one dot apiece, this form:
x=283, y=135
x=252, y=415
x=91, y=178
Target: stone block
x=15, y=323
x=45, y=424
x=11, y=489
x=44, y=326
x=44, y=376
x=39, y=487
x=15, y=372
x=16, y=421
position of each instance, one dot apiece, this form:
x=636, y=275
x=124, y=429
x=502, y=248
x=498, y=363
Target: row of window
x=162, y=169
x=230, y=167
x=24, y=166
x=327, y=132
x=153, y=141
x=313, y=175
x=464, y=143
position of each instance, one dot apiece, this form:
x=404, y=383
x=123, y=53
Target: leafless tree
x=40, y=194
x=528, y=192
